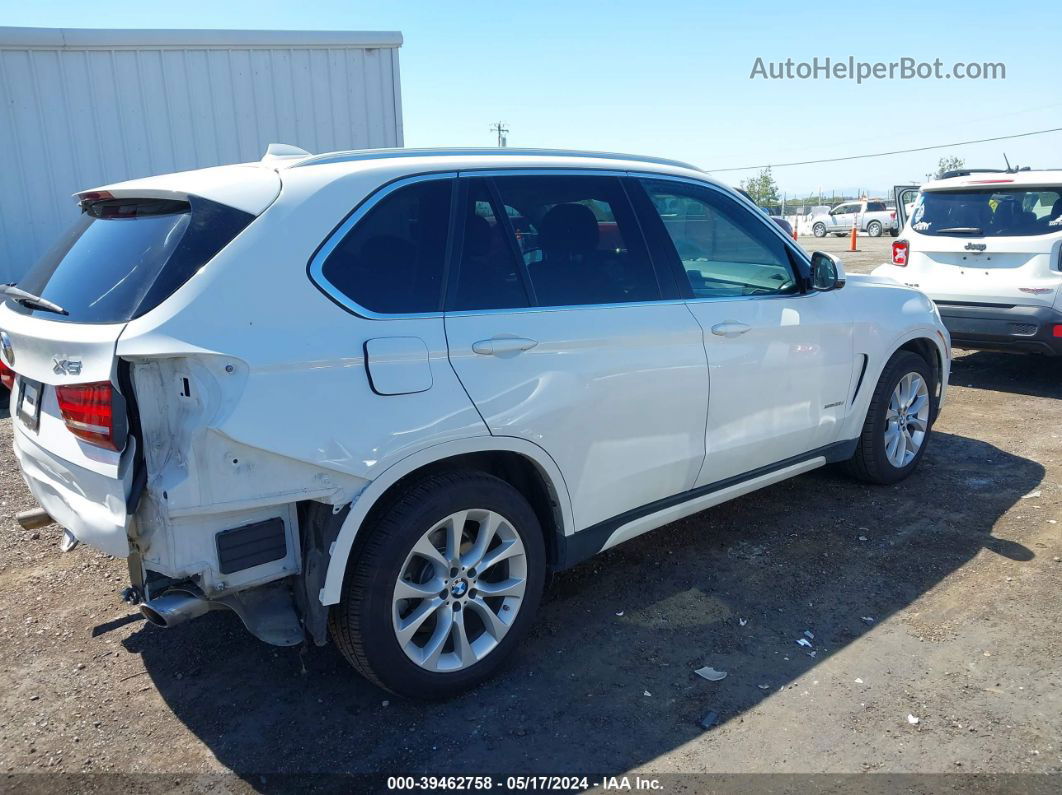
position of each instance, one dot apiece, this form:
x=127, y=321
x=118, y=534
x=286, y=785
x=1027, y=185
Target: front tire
x=874, y=229
x=898, y=423
x=447, y=583
x=819, y=230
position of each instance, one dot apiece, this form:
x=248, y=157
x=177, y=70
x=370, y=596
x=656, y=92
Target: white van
x=987, y=248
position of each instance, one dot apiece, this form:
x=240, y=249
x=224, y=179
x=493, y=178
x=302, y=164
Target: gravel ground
x=936, y=600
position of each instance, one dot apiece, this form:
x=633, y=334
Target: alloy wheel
x=906, y=420
x=459, y=590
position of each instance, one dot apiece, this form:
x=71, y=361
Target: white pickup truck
x=871, y=216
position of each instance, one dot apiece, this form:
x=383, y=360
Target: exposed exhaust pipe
x=173, y=608
x=34, y=519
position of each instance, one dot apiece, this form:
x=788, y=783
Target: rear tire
x=819, y=230
x=874, y=229
x=896, y=430
x=426, y=545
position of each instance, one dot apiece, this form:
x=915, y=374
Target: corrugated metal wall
x=101, y=107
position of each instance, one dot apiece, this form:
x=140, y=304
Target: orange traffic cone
x=796, y=233
x=852, y=244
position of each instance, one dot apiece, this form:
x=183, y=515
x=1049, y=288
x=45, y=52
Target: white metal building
x=81, y=108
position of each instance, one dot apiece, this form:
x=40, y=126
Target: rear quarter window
x=392, y=260
x=125, y=256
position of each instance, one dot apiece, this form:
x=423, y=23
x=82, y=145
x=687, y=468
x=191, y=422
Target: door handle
x=730, y=328
x=499, y=345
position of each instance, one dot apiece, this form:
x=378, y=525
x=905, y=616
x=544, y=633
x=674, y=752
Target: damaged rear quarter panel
x=253, y=392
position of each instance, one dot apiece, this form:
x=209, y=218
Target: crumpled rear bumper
x=88, y=504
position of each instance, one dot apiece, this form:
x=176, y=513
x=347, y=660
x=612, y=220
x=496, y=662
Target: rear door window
x=989, y=212
x=125, y=256
x=392, y=260
x=579, y=240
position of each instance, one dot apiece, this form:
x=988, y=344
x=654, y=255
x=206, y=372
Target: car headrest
x=568, y=229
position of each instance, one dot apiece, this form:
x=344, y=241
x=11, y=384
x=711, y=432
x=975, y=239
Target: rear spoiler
x=250, y=188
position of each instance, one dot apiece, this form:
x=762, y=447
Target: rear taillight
x=88, y=410
x=1057, y=330
x=7, y=375
x=900, y=250
x=892, y=215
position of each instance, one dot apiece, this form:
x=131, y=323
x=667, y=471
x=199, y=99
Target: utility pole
x=500, y=128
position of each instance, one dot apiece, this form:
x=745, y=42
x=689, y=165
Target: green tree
x=762, y=188
x=946, y=164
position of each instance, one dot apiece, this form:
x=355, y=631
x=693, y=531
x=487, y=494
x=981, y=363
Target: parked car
x=987, y=248
x=872, y=217
x=380, y=395
x=783, y=224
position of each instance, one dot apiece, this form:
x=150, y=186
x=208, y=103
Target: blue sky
x=673, y=78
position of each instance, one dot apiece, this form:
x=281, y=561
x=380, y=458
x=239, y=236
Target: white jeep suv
x=987, y=248
x=379, y=395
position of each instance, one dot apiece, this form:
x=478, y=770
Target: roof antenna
x=1009, y=169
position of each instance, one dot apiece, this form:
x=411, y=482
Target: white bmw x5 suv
x=378, y=396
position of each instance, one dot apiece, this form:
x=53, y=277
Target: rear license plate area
x=28, y=409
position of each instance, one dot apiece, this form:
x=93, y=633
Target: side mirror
x=827, y=272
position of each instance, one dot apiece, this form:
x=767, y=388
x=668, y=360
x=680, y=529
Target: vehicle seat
x=568, y=235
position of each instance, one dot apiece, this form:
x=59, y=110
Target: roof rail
x=965, y=172
x=381, y=154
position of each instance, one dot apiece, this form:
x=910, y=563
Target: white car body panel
x=800, y=347
x=256, y=392
x=635, y=434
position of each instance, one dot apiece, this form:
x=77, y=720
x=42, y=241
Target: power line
x=885, y=154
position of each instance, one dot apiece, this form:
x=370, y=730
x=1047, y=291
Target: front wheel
x=874, y=229
x=898, y=423
x=447, y=583
x=819, y=230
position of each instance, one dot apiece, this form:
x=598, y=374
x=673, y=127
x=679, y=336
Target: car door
x=561, y=333
x=905, y=196
x=780, y=356
x=841, y=218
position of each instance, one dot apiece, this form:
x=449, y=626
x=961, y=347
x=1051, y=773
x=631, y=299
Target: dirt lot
x=937, y=599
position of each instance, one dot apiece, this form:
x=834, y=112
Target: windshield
x=989, y=212
x=125, y=256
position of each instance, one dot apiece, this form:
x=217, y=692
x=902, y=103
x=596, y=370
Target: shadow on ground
x=787, y=559
x=1036, y=376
